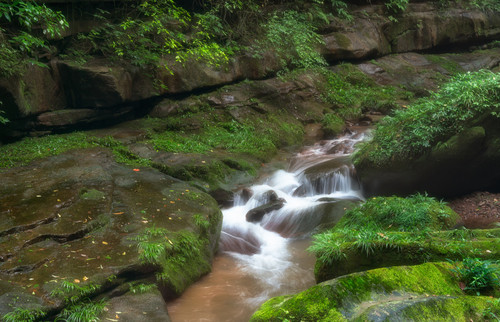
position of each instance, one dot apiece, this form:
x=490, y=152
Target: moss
x=23, y=152
x=463, y=308
x=342, y=40
x=460, y=146
x=92, y=194
x=332, y=124
x=348, y=297
x=451, y=66
x=185, y=263
x=402, y=248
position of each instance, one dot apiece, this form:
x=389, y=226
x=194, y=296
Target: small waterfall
x=311, y=191
x=269, y=250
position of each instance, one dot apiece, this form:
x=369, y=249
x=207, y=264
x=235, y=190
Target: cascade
x=264, y=254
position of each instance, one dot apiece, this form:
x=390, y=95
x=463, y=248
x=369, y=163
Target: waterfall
x=265, y=234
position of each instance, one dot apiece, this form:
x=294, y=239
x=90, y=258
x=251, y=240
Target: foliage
x=29, y=149
x=478, y=275
x=24, y=45
x=72, y=292
x=486, y=5
x=260, y=139
x=23, y=152
x=332, y=123
x=413, y=213
x=412, y=132
x=142, y=288
x=351, y=92
x=24, y=314
x=294, y=39
x=153, y=244
x=82, y=312
x=378, y=222
x=155, y=29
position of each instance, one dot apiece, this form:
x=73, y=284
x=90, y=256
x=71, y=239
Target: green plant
x=142, y=288
x=351, y=92
x=22, y=45
x=332, y=123
x=294, y=39
x=486, y=5
x=82, y=312
x=72, y=292
x=411, y=132
x=478, y=275
x=25, y=315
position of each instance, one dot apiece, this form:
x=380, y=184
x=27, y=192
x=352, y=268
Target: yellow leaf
x=76, y=280
x=105, y=243
x=85, y=278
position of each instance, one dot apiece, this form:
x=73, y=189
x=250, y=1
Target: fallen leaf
x=38, y=196
x=118, y=213
x=76, y=280
x=124, y=253
x=137, y=170
x=85, y=278
x=105, y=243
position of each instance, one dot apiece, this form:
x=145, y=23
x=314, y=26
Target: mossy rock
x=407, y=248
x=384, y=294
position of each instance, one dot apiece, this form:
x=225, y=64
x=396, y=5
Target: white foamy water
x=269, y=255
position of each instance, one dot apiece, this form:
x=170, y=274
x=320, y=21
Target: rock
x=256, y=214
x=81, y=217
x=140, y=307
x=445, y=245
x=223, y=197
x=301, y=222
x=428, y=291
x=461, y=164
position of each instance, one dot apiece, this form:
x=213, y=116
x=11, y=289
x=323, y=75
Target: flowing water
x=259, y=260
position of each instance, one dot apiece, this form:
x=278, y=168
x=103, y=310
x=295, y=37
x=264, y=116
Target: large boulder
x=83, y=220
x=429, y=292
x=463, y=163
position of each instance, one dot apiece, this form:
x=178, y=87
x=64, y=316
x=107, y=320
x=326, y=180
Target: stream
x=266, y=258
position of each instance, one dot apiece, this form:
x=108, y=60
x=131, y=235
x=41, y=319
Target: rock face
x=463, y=163
x=403, y=293
x=110, y=90
x=81, y=218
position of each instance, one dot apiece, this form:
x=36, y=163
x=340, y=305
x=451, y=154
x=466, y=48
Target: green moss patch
x=397, y=292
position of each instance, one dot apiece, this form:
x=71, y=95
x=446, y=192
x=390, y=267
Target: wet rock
x=256, y=214
x=428, y=291
x=137, y=307
x=224, y=198
x=300, y=223
x=246, y=194
x=460, y=164
x=239, y=241
x=80, y=217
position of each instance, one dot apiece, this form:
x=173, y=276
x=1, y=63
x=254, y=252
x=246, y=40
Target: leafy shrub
x=379, y=223
x=413, y=213
x=294, y=39
x=478, y=275
x=411, y=132
x=332, y=124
